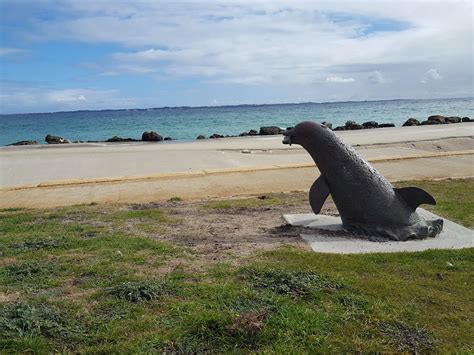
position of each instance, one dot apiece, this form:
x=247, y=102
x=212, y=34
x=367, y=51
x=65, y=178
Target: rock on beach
x=370, y=124
x=24, y=143
x=436, y=119
x=50, y=139
x=411, y=122
x=453, y=119
x=352, y=125
x=116, y=139
x=270, y=130
x=151, y=136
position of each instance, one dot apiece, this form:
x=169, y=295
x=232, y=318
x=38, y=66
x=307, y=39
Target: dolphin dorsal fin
x=414, y=196
x=318, y=193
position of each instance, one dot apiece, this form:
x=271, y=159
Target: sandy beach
x=36, y=176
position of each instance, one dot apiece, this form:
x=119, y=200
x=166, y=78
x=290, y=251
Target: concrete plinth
x=453, y=236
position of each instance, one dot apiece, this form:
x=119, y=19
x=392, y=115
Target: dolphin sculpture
x=368, y=204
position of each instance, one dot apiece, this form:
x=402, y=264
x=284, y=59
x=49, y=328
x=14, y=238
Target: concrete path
x=41, y=176
x=45, y=163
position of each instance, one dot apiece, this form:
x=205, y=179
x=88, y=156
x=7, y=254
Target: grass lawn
x=98, y=279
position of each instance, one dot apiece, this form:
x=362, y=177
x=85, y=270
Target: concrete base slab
x=453, y=236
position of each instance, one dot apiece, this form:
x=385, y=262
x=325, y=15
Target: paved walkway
x=45, y=163
x=57, y=176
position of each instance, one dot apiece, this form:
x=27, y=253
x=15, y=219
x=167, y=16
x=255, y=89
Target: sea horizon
x=236, y=105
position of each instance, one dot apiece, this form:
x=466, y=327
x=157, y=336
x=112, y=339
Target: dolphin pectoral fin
x=318, y=193
x=414, y=196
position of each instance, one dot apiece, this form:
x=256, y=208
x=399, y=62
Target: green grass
x=25, y=319
x=81, y=279
x=454, y=198
x=287, y=282
x=137, y=291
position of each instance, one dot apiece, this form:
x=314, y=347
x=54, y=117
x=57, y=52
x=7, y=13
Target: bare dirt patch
x=237, y=229
x=7, y=261
x=9, y=296
x=68, y=291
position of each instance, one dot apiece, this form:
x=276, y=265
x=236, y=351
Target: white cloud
x=339, y=79
x=68, y=95
x=34, y=99
x=5, y=51
x=431, y=75
x=376, y=77
x=274, y=44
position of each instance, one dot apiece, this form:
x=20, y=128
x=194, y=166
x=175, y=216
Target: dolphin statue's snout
x=287, y=137
x=287, y=140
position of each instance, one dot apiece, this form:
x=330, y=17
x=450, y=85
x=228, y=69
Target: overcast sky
x=70, y=55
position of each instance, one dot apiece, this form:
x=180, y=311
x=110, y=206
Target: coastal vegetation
x=224, y=276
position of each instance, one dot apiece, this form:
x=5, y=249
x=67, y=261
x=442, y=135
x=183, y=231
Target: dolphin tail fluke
x=318, y=193
x=414, y=196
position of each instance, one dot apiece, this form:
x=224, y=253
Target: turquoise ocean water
x=188, y=123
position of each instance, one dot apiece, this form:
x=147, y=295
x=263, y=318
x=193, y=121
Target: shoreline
x=155, y=137
x=396, y=134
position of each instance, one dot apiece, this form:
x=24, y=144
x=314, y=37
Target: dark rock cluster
x=116, y=139
x=50, y=139
x=352, y=125
x=370, y=124
x=151, y=137
x=411, y=122
x=270, y=130
x=264, y=131
x=24, y=143
x=252, y=132
x=436, y=119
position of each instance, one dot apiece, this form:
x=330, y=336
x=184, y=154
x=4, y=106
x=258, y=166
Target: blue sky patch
x=368, y=25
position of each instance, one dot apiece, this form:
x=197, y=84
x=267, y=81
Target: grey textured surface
x=366, y=201
x=21, y=165
x=324, y=240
